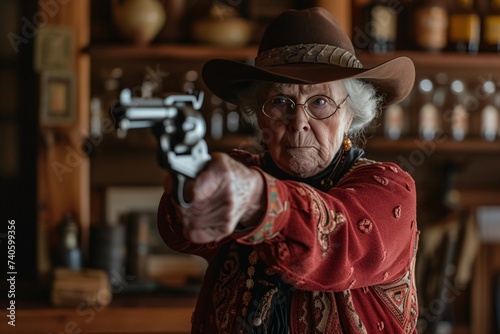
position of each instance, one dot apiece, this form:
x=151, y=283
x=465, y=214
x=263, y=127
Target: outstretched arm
x=227, y=200
x=226, y=193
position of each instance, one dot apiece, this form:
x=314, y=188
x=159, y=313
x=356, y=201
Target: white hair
x=363, y=102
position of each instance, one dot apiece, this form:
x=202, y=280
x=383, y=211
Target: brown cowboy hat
x=308, y=47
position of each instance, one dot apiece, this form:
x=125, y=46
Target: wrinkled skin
x=226, y=193
x=303, y=146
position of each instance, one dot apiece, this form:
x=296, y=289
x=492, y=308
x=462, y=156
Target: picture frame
x=54, y=48
x=57, y=98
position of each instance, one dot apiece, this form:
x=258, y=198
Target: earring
x=346, y=143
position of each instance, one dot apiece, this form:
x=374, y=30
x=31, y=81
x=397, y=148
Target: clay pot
x=230, y=32
x=138, y=21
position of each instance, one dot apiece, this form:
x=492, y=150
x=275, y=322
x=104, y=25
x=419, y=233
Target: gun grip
x=178, y=191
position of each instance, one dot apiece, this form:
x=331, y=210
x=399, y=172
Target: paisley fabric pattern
x=316, y=312
x=327, y=220
x=226, y=297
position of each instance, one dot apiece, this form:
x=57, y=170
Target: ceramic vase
x=138, y=21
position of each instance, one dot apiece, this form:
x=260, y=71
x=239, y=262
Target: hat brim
x=392, y=79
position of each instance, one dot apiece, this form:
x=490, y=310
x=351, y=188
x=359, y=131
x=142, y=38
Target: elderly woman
x=309, y=236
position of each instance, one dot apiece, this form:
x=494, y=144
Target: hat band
x=308, y=53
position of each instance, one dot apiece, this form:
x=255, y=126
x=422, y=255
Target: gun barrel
x=126, y=124
x=145, y=113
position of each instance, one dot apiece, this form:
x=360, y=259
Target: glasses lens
x=277, y=106
x=321, y=106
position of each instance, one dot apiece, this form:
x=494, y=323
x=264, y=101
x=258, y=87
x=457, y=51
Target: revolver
x=178, y=126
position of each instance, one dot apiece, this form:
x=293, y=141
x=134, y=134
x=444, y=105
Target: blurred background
x=82, y=200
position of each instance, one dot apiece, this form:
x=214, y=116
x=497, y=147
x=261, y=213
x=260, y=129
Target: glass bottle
x=67, y=252
x=441, y=91
x=429, y=120
x=431, y=25
x=490, y=41
x=465, y=27
x=457, y=117
x=381, y=26
x=394, y=117
x=489, y=115
x=397, y=118
x=216, y=118
x=95, y=117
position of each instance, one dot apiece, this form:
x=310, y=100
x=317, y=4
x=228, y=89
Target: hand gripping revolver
x=178, y=126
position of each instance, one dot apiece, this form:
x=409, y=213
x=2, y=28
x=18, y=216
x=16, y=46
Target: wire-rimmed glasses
x=317, y=107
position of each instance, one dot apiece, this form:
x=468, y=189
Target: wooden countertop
x=152, y=312
x=122, y=320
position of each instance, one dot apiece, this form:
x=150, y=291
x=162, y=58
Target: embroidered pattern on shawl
x=401, y=297
x=226, y=293
x=316, y=312
x=276, y=207
x=327, y=219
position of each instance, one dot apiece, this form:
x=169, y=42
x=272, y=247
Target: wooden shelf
x=475, y=197
x=179, y=51
x=442, y=60
x=490, y=61
x=405, y=145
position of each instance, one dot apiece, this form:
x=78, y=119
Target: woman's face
x=299, y=144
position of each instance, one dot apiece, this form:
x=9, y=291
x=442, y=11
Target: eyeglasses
x=317, y=107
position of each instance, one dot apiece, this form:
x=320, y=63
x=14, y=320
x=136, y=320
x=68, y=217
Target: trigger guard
x=181, y=180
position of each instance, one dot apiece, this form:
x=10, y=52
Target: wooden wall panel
x=63, y=166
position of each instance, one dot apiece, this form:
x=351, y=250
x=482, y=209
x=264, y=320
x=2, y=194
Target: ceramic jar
x=230, y=32
x=138, y=21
